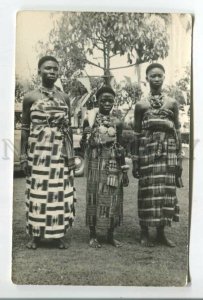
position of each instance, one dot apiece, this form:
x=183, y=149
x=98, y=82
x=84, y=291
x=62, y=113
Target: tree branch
x=91, y=63
x=99, y=57
x=114, y=55
x=102, y=49
x=100, y=37
x=125, y=66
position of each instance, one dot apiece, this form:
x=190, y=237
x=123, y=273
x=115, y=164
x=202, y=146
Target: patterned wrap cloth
x=158, y=148
x=50, y=193
x=104, y=196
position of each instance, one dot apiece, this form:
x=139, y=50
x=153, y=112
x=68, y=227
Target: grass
x=131, y=265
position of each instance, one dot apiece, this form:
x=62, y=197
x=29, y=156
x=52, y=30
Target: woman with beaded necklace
x=105, y=169
x=47, y=158
x=156, y=155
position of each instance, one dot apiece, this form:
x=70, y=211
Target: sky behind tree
x=35, y=26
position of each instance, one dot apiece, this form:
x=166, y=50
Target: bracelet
x=22, y=161
x=25, y=127
x=179, y=156
x=23, y=158
x=134, y=157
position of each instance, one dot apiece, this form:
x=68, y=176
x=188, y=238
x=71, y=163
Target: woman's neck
x=48, y=86
x=104, y=113
x=155, y=91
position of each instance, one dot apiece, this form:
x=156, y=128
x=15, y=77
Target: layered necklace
x=49, y=92
x=105, y=125
x=156, y=101
x=103, y=120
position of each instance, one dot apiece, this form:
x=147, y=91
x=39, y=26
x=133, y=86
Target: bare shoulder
x=142, y=105
x=171, y=102
x=31, y=96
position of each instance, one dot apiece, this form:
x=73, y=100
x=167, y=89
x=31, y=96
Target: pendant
x=111, y=131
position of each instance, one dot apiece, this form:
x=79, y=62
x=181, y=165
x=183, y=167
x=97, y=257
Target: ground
x=131, y=265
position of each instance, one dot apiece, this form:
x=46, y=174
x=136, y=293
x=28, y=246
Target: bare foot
x=115, y=243
x=93, y=243
x=61, y=244
x=162, y=239
x=145, y=241
x=33, y=244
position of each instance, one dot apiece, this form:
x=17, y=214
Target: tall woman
x=156, y=154
x=47, y=158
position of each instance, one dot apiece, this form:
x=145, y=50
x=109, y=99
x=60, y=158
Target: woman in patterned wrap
x=105, y=169
x=47, y=158
x=156, y=155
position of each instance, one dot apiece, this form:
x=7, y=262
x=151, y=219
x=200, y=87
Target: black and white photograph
x=102, y=148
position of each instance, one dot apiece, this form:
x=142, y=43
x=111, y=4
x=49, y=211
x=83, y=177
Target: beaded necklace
x=103, y=120
x=105, y=125
x=49, y=92
x=156, y=101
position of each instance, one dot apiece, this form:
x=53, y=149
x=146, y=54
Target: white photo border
x=8, y=10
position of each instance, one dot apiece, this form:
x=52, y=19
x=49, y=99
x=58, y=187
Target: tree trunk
x=107, y=75
x=138, y=73
x=107, y=58
x=104, y=53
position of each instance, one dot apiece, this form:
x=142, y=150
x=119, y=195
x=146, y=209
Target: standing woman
x=157, y=161
x=47, y=158
x=106, y=164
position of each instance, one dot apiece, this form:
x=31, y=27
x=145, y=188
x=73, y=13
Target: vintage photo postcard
x=103, y=109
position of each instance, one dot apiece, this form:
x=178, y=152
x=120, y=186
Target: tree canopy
x=80, y=36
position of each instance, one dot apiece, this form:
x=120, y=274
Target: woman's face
x=106, y=101
x=155, y=77
x=49, y=71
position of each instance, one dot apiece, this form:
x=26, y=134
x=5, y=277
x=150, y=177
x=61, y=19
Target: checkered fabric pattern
x=157, y=200
x=50, y=193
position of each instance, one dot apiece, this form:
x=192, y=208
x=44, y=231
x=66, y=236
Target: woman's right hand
x=135, y=170
x=25, y=168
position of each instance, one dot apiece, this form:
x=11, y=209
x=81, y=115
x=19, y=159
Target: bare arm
x=25, y=130
x=69, y=115
x=177, y=127
x=83, y=140
x=137, y=129
x=69, y=107
x=138, y=114
x=25, y=133
x=119, y=130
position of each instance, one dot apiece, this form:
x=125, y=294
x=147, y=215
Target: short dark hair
x=46, y=58
x=105, y=89
x=153, y=66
